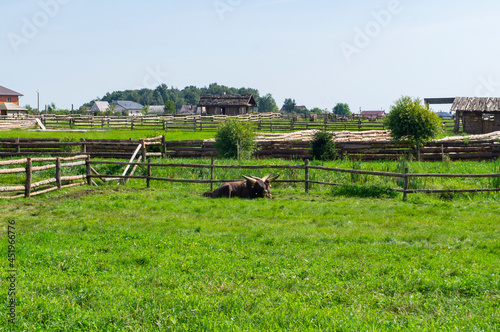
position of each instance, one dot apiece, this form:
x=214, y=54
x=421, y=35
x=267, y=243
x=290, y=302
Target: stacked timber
x=18, y=124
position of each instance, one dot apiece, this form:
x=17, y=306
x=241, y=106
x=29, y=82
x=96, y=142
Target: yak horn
x=252, y=180
x=272, y=179
x=264, y=179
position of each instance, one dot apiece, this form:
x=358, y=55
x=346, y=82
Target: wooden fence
x=266, y=122
x=159, y=147
x=91, y=174
x=306, y=168
x=55, y=183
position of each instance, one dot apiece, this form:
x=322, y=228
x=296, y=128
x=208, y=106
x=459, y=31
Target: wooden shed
x=227, y=104
x=479, y=115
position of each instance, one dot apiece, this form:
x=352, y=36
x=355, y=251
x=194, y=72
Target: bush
x=323, y=148
x=70, y=148
x=235, y=139
x=409, y=120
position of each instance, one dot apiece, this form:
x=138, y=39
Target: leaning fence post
x=148, y=178
x=307, y=175
x=405, y=189
x=212, y=174
x=87, y=166
x=58, y=173
x=27, y=188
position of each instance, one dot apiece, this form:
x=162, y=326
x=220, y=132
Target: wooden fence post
x=143, y=149
x=405, y=189
x=58, y=173
x=84, y=146
x=89, y=170
x=212, y=163
x=148, y=178
x=18, y=146
x=307, y=175
x=27, y=188
x=163, y=146
x=132, y=124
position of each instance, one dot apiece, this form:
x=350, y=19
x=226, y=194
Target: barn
x=479, y=115
x=227, y=104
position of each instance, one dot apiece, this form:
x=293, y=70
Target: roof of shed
x=476, y=104
x=12, y=107
x=8, y=92
x=227, y=100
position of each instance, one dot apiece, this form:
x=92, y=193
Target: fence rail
x=29, y=169
x=267, y=122
x=91, y=174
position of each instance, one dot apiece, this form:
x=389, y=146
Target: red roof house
x=9, y=96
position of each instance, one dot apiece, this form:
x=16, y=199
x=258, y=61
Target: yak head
x=258, y=187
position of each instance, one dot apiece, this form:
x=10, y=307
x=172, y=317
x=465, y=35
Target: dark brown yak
x=251, y=187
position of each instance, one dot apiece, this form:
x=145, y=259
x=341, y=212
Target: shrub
x=409, y=120
x=323, y=148
x=70, y=148
x=235, y=139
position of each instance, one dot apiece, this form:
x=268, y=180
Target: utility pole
x=38, y=101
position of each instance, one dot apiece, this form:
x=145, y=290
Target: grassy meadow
x=107, y=134
x=127, y=258
x=117, y=258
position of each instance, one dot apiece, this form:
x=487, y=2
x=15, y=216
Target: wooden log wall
x=300, y=149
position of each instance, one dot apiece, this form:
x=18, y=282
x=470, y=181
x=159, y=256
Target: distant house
x=156, y=110
x=227, y=104
x=480, y=115
x=373, y=114
x=444, y=115
x=188, y=109
x=9, y=96
x=12, y=110
x=128, y=108
x=99, y=106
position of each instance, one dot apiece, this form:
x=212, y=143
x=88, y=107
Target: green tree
x=411, y=121
x=170, y=107
x=267, y=104
x=145, y=110
x=235, y=139
x=341, y=109
x=289, y=105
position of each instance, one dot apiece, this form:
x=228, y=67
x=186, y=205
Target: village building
x=188, y=109
x=156, y=110
x=12, y=110
x=9, y=96
x=99, y=107
x=128, y=108
x=227, y=104
x=373, y=114
x=479, y=115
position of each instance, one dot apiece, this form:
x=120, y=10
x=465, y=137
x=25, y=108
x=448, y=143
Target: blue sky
x=365, y=53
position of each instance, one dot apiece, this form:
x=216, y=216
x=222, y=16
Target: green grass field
x=108, y=134
x=120, y=258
